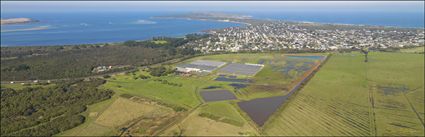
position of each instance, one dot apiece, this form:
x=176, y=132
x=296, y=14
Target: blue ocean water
x=375, y=18
x=100, y=27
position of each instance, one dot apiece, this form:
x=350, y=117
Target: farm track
x=413, y=108
x=372, y=114
x=334, y=118
x=184, y=116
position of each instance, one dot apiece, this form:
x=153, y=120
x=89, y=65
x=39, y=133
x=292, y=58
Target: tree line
x=31, y=63
x=48, y=110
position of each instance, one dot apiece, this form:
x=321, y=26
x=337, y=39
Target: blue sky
x=68, y=6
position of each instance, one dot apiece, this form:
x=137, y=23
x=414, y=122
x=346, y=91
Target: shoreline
x=11, y=21
x=242, y=21
x=27, y=29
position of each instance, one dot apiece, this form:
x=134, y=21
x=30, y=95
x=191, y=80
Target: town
x=280, y=35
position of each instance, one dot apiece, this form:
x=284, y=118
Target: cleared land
x=123, y=111
x=213, y=119
x=185, y=91
x=413, y=50
x=109, y=117
x=181, y=96
x=344, y=98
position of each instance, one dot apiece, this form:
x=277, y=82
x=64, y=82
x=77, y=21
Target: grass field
x=216, y=124
x=345, y=98
x=106, y=118
x=413, y=50
x=123, y=111
x=184, y=96
x=90, y=127
x=160, y=41
x=223, y=110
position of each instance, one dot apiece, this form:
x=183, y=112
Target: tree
x=365, y=51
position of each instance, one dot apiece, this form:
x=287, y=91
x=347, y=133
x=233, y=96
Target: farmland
x=217, y=118
x=346, y=97
x=350, y=97
x=182, y=100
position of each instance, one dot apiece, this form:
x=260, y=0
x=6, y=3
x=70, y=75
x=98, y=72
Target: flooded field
x=217, y=95
x=241, y=69
x=232, y=79
x=294, y=68
x=307, y=57
x=392, y=90
x=259, y=110
x=238, y=86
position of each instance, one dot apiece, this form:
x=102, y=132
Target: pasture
x=193, y=113
x=109, y=117
x=213, y=119
x=347, y=98
x=413, y=50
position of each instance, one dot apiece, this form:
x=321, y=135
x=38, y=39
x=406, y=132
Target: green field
x=346, y=97
x=90, y=127
x=223, y=111
x=223, y=119
x=413, y=50
x=160, y=41
x=184, y=96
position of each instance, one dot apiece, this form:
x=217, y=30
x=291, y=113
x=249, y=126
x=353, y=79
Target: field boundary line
x=414, y=110
x=372, y=113
x=184, y=116
x=299, y=84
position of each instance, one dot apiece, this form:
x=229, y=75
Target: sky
x=75, y=6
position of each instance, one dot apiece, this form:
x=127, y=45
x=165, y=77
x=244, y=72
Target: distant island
x=16, y=21
x=213, y=16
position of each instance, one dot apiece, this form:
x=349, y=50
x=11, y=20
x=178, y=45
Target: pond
x=306, y=57
x=240, y=69
x=238, y=85
x=217, y=95
x=259, y=110
x=231, y=79
x=212, y=87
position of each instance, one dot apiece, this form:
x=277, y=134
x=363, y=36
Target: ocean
x=86, y=28
x=101, y=27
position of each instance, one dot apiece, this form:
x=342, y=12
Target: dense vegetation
x=57, y=62
x=45, y=111
x=161, y=71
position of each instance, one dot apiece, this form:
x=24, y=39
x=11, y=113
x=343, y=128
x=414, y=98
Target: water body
x=306, y=57
x=259, y=110
x=376, y=18
x=231, y=79
x=92, y=27
x=61, y=28
x=217, y=95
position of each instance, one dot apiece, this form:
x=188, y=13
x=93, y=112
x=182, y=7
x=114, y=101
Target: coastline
x=27, y=29
x=210, y=17
x=11, y=21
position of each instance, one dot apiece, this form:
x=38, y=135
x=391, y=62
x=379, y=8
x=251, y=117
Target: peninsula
x=16, y=21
